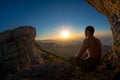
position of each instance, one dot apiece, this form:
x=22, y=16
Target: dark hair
x=90, y=29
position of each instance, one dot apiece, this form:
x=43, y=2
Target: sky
x=49, y=17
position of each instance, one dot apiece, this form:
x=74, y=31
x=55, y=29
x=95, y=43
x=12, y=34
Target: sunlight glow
x=65, y=34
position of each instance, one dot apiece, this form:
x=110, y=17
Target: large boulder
x=17, y=51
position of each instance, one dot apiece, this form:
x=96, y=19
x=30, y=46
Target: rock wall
x=111, y=9
x=17, y=49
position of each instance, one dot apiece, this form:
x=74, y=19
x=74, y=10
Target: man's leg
x=87, y=64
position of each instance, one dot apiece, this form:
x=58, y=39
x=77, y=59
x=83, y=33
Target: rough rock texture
x=106, y=7
x=111, y=9
x=51, y=71
x=17, y=49
x=65, y=71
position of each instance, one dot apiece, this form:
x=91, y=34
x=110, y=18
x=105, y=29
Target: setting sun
x=65, y=34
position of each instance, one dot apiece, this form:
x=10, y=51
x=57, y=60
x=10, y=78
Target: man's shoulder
x=91, y=39
x=86, y=40
x=97, y=39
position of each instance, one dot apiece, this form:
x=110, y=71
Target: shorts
x=87, y=64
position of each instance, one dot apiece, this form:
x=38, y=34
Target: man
x=93, y=45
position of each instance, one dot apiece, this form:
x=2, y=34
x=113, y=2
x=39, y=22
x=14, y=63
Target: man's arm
x=84, y=48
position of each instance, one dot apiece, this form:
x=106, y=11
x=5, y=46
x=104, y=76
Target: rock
x=17, y=50
x=106, y=7
x=51, y=71
x=116, y=76
x=5, y=37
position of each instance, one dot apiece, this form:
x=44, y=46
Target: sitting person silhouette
x=93, y=46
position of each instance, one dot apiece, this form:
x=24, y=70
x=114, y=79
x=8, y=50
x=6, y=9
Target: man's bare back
x=94, y=47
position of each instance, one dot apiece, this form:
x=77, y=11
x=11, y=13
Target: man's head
x=89, y=31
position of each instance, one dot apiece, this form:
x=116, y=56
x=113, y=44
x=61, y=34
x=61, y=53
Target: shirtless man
x=93, y=45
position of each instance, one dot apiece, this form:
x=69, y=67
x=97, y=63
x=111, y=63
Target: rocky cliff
x=17, y=49
x=111, y=9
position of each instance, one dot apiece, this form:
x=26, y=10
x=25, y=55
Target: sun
x=65, y=34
